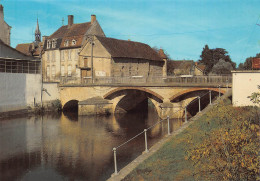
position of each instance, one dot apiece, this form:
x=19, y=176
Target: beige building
x=61, y=50
x=5, y=29
x=244, y=84
x=119, y=58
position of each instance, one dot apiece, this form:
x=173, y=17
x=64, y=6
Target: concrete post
x=210, y=97
x=168, y=120
x=114, y=149
x=145, y=139
x=199, y=104
x=186, y=114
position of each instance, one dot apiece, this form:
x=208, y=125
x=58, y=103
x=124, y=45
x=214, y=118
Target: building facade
x=244, y=83
x=20, y=79
x=5, y=29
x=61, y=50
x=119, y=58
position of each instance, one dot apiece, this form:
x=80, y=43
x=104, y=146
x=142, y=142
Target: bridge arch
x=71, y=105
x=116, y=92
x=127, y=98
x=181, y=94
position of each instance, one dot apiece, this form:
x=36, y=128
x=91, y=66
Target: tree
x=222, y=67
x=247, y=65
x=210, y=57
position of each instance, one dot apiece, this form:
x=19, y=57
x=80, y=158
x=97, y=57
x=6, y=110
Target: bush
x=231, y=151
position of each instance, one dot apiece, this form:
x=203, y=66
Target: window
x=53, y=71
x=62, y=69
x=69, y=55
x=66, y=43
x=54, y=42
x=48, y=71
x=53, y=56
x=69, y=70
x=73, y=42
x=62, y=55
x=76, y=55
x=48, y=44
x=48, y=56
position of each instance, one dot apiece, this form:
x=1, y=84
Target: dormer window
x=54, y=43
x=66, y=43
x=73, y=42
x=48, y=44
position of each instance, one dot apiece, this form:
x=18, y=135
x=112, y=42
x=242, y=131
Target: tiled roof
x=162, y=54
x=129, y=49
x=201, y=67
x=181, y=64
x=68, y=33
x=13, y=53
x=27, y=48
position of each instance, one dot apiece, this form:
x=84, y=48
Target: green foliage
x=247, y=65
x=229, y=152
x=56, y=104
x=222, y=67
x=210, y=57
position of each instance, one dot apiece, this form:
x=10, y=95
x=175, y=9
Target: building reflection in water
x=58, y=147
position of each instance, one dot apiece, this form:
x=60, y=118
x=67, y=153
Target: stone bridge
x=167, y=97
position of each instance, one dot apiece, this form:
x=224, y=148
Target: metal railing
x=141, y=80
x=168, y=123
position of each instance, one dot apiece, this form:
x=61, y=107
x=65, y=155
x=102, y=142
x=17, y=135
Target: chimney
x=44, y=38
x=70, y=20
x=93, y=18
x=1, y=11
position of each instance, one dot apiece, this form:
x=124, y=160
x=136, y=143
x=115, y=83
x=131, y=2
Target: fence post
x=227, y=84
x=114, y=149
x=199, y=104
x=210, y=97
x=145, y=139
x=218, y=90
x=186, y=114
x=168, y=120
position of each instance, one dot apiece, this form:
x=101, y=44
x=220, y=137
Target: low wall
x=18, y=91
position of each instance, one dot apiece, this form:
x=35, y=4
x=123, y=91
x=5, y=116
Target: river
x=70, y=147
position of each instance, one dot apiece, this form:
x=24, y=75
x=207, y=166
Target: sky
x=181, y=27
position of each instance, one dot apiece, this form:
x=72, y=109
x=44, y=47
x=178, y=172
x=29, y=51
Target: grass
x=170, y=162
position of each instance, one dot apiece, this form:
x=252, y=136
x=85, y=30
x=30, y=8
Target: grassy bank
x=188, y=157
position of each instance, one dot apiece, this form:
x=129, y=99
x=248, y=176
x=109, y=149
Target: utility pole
x=91, y=41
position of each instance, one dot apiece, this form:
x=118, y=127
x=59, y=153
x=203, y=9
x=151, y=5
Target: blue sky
x=182, y=27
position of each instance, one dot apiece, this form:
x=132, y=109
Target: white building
x=244, y=84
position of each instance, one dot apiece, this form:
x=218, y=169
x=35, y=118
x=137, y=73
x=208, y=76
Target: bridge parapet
x=210, y=81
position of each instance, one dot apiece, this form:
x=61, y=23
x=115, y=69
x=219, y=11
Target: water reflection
x=59, y=147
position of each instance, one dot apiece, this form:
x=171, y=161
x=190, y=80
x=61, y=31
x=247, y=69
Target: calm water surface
x=59, y=147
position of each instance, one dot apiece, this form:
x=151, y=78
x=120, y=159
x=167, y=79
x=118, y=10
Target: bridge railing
x=216, y=80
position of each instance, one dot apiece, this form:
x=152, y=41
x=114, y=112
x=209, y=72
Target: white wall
x=17, y=91
x=52, y=92
x=244, y=84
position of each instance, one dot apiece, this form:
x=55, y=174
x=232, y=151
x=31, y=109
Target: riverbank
x=173, y=160
x=51, y=106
